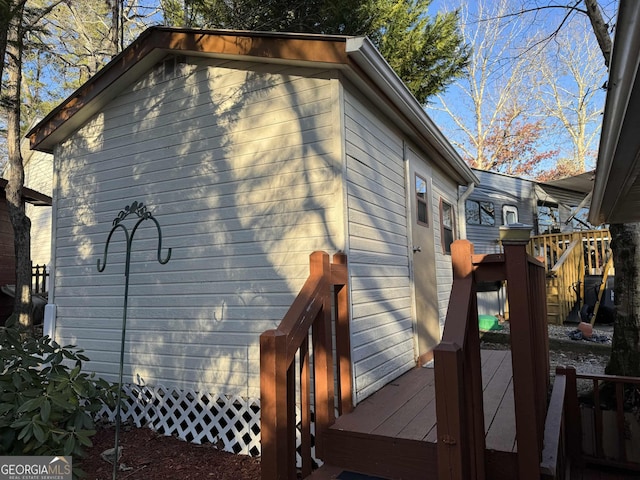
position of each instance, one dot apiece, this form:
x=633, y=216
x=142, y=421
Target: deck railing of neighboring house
x=459, y=407
x=39, y=279
x=303, y=341
x=609, y=435
x=568, y=257
x=564, y=280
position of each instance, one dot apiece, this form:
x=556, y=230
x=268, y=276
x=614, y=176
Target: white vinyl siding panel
x=38, y=176
x=382, y=330
x=238, y=163
x=446, y=189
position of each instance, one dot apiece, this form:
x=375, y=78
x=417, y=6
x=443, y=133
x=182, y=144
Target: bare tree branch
x=599, y=29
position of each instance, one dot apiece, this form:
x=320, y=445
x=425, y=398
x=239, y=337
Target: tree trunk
x=15, y=171
x=625, y=348
x=600, y=29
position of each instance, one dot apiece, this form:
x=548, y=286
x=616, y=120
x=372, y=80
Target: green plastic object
x=488, y=322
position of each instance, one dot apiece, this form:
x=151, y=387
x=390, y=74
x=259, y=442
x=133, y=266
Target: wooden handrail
x=309, y=316
x=551, y=246
x=565, y=255
x=552, y=466
x=619, y=383
x=458, y=376
x=568, y=257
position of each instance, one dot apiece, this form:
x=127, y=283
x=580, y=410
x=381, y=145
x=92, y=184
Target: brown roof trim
x=328, y=49
x=29, y=195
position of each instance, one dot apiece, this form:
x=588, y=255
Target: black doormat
x=356, y=476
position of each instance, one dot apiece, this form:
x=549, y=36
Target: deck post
x=343, y=341
x=529, y=425
x=276, y=461
x=453, y=443
x=458, y=374
x=323, y=353
x=573, y=422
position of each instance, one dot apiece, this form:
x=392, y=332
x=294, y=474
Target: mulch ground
x=147, y=455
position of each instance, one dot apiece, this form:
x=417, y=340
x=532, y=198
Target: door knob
x=417, y=249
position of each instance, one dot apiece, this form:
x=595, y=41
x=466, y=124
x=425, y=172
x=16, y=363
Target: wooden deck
x=392, y=434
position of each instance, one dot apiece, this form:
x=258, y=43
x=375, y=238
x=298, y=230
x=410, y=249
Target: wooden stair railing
x=310, y=315
x=458, y=375
x=555, y=464
x=568, y=257
x=564, y=278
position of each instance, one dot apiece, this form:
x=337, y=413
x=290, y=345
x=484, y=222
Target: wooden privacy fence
x=568, y=257
x=458, y=375
x=305, y=334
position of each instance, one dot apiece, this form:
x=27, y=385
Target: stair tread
x=331, y=472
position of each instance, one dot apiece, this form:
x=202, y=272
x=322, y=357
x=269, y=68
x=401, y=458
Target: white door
x=423, y=248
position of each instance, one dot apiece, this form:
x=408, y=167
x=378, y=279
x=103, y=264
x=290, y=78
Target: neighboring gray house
x=252, y=150
x=499, y=200
x=549, y=207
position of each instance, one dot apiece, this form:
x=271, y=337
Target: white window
x=447, y=226
x=509, y=214
x=421, y=201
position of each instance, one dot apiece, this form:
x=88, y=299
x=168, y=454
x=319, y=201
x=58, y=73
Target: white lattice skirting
x=230, y=422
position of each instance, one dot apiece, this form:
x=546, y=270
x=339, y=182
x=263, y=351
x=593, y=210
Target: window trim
x=509, y=208
x=478, y=202
x=446, y=249
x=420, y=200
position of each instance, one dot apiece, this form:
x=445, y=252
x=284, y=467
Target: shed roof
x=582, y=182
x=355, y=56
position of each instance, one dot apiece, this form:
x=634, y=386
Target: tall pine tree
x=427, y=53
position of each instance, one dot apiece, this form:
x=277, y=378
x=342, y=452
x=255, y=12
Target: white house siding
x=238, y=162
x=444, y=188
x=38, y=176
x=382, y=332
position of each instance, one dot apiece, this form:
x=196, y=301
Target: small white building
x=252, y=150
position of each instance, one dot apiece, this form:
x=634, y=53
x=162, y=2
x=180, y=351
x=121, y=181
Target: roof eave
x=367, y=57
x=154, y=43
x=610, y=183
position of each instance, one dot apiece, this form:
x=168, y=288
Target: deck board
x=401, y=417
x=396, y=424
x=405, y=408
x=396, y=395
x=499, y=407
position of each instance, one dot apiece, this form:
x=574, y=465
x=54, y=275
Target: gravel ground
x=586, y=356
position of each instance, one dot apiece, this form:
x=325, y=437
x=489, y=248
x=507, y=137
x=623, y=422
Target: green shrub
x=47, y=405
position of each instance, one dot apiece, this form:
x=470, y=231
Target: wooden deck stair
x=392, y=434
x=567, y=258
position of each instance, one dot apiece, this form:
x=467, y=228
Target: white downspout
x=462, y=223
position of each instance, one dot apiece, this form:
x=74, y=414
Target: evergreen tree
x=427, y=53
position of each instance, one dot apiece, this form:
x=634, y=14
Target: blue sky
x=503, y=56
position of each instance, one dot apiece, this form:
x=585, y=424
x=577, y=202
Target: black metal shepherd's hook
x=139, y=209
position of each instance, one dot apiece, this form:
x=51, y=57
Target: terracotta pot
x=586, y=329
